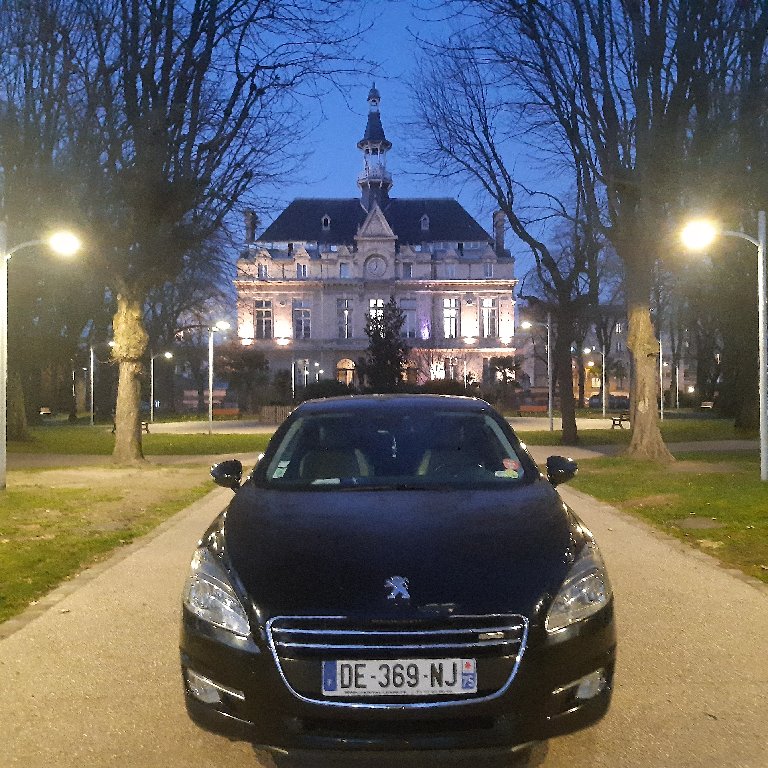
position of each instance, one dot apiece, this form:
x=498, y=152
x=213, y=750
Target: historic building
x=307, y=283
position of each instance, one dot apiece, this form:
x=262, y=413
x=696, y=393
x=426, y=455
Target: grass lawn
x=673, y=431
x=54, y=523
x=714, y=501
x=99, y=440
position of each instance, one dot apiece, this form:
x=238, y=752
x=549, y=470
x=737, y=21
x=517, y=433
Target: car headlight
x=585, y=591
x=209, y=595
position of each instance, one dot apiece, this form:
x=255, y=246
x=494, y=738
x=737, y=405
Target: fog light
x=584, y=688
x=205, y=690
x=591, y=685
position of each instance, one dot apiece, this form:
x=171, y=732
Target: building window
x=301, y=319
x=425, y=223
x=451, y=318
x=450, y=271
x=262, y=319
x=408, y=307
x=263, y=272
x=407, y=270
x=343, y=269
x=326, y=223
x=451, y=365
x=301, y=271
x=488, y=320
x=488, y=269
x=344, y=317
x=619, y=328
x=375, y=308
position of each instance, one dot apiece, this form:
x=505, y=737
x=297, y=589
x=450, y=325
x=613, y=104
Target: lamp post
x=167, y=356
x=63, y=243
x=661, y=382
x=222, y=325
x=548, y=325
x=698, y=235
x=602, y=378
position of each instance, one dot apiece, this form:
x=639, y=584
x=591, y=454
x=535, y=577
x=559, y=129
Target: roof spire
x=374, y=181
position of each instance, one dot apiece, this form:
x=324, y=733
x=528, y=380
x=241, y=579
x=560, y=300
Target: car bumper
x=243, y=696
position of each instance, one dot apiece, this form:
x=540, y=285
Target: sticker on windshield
x=511, y=468
x=280, y=470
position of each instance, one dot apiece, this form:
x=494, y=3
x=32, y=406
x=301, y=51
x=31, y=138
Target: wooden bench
x=707, y=405
x=620, y=420
x=532, y=409
x=230, y=412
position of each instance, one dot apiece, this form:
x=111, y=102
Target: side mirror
x=228, y=474
x=560, y=469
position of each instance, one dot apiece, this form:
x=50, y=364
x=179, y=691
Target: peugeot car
x=396, y=573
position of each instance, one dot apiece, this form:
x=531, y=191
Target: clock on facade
x=375, y=266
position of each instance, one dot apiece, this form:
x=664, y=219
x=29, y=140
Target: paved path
x=94, y=680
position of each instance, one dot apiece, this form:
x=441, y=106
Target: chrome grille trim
x=513, y=627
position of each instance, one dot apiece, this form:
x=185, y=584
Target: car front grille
x=299, y=644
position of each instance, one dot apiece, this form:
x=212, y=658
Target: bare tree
x=50, y=303
x=616, y=79
x=189, y=108
x=463, y=122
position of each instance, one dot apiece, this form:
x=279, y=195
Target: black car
x=396, y=573
x=615, y=402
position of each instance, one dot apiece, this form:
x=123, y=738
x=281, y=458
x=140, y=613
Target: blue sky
x=334, y=159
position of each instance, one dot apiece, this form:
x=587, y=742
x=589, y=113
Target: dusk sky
x=334, y=160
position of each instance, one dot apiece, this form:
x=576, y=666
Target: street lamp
x=548, y=325
x=222, y=326
x=91, y=376
x=167, y=356
x=697, y=235
x=63, y=243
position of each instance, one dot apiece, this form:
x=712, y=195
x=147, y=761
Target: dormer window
x=425, y=223
x=326, y=223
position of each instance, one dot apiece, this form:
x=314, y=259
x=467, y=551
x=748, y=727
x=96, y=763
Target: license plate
x=400, y=677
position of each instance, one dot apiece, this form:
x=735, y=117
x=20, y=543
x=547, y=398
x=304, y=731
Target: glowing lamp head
x=526, y=324
x=167, y=355
x=698, y=235
x=64, y=243
x=222, y=325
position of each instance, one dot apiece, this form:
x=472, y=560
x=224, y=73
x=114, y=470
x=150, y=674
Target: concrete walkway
x=94, y=680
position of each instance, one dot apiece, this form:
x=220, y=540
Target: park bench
x=532, y=409
x=232, y=413
x=620, y=420
x=707, y=405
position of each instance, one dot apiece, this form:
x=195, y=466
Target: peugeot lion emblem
x=398, y=586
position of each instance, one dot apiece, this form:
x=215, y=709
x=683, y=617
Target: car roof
x=394, y=402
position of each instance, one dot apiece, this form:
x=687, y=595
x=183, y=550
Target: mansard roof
x=302, y=221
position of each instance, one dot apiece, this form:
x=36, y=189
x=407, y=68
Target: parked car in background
x=396, y=573
x=615, y=402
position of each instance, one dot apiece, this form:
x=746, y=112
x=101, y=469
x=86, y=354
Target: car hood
x=464, y=552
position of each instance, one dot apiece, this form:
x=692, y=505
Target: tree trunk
x=17, y=414
x=646, y=441
x=562, y=352
x=130, y=344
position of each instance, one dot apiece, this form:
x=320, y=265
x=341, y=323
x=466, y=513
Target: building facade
x=306, y=284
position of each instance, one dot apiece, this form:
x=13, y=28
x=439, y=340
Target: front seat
x=334, y=458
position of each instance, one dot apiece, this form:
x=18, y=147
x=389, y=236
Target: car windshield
x=413, y=449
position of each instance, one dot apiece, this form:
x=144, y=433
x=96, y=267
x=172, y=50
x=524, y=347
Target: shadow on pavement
x=437, y=759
